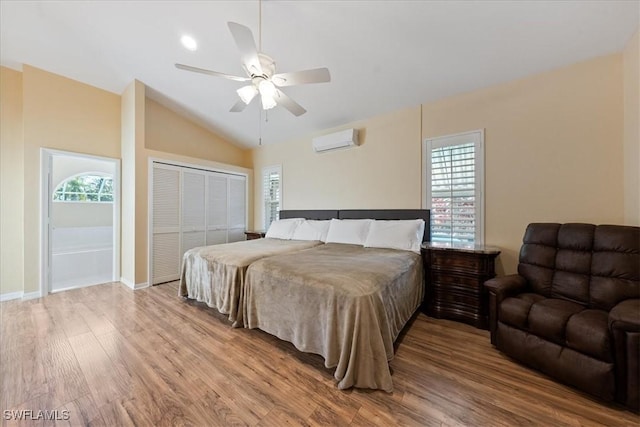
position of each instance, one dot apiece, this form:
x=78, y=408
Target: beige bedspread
x=215, y=274
x=344, y=302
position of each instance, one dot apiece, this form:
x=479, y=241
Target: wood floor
x=113, y=357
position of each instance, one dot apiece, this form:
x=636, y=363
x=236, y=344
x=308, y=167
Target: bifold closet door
x=193, y=210
x=217, y=208
x=237, y=208
x=166, y=224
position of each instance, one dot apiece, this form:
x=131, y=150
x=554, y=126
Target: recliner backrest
x=615, y=268
x=596, y=266
x=538, y=256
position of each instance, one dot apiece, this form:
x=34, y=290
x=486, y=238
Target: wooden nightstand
x=251, y=235
x=455, y=275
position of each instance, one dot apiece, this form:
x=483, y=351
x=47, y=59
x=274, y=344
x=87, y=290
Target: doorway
x=81, y=221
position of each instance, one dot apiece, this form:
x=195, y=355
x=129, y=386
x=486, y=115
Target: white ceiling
x=383, y=55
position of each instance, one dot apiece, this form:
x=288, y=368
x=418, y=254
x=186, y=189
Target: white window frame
x=268, y=170
x=477, y=137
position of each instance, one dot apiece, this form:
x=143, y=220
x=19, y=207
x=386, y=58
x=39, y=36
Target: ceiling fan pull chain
x=260, y=128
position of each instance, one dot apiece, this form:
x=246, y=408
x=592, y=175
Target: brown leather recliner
x=573, y=309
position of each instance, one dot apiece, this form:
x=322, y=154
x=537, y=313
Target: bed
x=215, y=274
x=344, y=302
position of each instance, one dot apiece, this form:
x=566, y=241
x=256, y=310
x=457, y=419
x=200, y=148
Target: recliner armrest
x=500, y=288
x=506, y=285
x=626, y=315
x=624, y=324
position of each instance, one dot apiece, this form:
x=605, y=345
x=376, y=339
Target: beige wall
x=554, y=152
x=631, y=58
x=11, y=182
x=60, y=113
x=360, y=177
x=171, y=133
x=553, y=148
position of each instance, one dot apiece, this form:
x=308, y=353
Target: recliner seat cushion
x=588, y=333
x=514, y=311
x=548, y=318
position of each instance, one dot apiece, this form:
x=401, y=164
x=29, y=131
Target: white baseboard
x=31, y=295
x=134, y=286
x=142, y=285
x=10, y=295
x=127, y=283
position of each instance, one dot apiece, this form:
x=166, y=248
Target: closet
x=192, y=207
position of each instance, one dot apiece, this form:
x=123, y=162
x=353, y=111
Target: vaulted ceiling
x=383, y=55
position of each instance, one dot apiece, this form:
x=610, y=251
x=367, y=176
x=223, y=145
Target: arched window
x=89, y=187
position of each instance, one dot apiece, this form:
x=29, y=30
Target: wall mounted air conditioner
x=335, y=141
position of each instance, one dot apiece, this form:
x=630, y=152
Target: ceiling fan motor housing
x=268, y=68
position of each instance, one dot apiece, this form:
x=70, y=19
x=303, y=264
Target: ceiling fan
x=260, y=69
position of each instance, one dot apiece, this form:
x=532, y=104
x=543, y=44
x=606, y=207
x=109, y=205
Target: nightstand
x=455, y=274
x=251, y=235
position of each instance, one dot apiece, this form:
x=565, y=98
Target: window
x=271, y=194
x=454, y=180
x=85, y=188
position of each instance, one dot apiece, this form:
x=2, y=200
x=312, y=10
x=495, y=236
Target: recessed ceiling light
x=189, y=42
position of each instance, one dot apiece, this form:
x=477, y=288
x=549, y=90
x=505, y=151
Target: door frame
x=46, y=193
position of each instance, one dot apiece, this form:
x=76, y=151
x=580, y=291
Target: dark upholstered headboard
x=310, y=214
x=365, y=214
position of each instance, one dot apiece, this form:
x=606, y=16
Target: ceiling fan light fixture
x=268, y=102
x=189, y=42
x=267, y=89
x=247, y=93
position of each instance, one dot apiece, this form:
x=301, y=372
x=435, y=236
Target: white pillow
x=396, y=234
x=283, y=228
x=312, y=230
x=350, y=231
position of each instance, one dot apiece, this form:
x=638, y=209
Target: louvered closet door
x=193, y=210
x=166, y=224
x=237, y=208
x=217, y=208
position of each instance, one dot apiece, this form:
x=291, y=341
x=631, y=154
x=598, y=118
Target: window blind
x=271, y=193
x=453, y=193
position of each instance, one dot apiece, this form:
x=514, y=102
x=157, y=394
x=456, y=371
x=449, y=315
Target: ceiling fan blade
x=247, y=47
x=238, y=106
x=283, y=100
x=317, y=75
x=211, y=73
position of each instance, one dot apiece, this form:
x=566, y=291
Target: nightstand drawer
x=458, y=299
x=459, y=262
x=454, y=280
